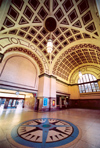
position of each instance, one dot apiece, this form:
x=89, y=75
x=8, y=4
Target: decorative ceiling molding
x=29, y=53
x=24, y=24
x=74, y=57
x=86, y=68
x=10, y=42
x=75, y=21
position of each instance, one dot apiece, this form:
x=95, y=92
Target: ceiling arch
x=75, y=56
x=22, y=25
x=28, y=53
x=94, y=69
x=8, y=42
x=76, y=20
x=20, y=71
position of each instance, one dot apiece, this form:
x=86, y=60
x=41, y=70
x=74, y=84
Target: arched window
x=88, y=83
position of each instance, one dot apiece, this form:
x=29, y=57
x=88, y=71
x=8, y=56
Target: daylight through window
x=88, y=83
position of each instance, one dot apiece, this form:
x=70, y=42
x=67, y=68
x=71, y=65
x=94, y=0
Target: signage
x=45, y=101
x=53, y=103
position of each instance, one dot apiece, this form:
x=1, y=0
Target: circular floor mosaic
x=45, y=133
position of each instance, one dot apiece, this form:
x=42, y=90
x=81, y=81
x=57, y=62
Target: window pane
x=93, y=87
x=87, y=78
x=84, y=79
x=94, y=78
x=83, y=89
x=86, y=88
x=96, y=86
x=80, y=89
x=89, y=87
x=90, y=77
x=79, y=81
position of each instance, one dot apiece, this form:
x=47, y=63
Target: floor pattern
x=44, y=133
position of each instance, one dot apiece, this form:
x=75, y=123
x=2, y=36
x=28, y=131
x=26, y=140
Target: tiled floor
x=87, y=120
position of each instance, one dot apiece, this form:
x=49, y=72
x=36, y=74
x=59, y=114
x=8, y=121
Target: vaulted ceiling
x=75, y=39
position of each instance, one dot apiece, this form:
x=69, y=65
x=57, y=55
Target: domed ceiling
x=77, y=30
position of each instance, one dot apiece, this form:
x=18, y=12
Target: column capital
x=50, y=76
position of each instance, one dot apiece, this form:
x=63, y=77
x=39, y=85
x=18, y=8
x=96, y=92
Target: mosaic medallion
x=44, y=133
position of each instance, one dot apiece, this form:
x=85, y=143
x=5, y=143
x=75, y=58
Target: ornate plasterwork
x=22, y=24
x=9, y=44
x=92, y=68
x=76, y=20
x=26, y=51
x=75, y=56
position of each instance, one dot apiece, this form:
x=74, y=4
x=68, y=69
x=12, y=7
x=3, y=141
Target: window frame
x=88, y=83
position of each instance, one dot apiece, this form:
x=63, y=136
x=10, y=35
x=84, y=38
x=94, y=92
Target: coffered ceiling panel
x=73, y=57
x=76, y=20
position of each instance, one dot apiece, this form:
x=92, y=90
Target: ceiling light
x=49, y=46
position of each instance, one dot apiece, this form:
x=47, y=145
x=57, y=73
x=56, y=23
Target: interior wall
x=44, y=86
x=74, y=92
x=77, y=100
x=19, y=71
x=86, y=100
x=61, y=87
x=29, y=101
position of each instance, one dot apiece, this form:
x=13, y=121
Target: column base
x=46, y=104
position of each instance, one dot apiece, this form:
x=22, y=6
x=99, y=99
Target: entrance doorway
x=11, y=103
x=36, y=107
x=62, y=101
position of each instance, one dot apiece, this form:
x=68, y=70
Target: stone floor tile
x=87, y=120
x=82, y=144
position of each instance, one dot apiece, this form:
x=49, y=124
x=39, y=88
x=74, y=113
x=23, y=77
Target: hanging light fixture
x=80, y=74
x=49, y=46
x=50, y=25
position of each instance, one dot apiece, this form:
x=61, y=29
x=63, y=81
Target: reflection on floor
x=88, y=121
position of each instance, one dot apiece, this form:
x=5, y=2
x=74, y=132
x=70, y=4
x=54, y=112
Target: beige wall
x=74, y=92
x=29, y=101
x=47, y=86
x=94, y=95
x=61, y=87
x=53, y=87
x=44, y=86
x=19, y=71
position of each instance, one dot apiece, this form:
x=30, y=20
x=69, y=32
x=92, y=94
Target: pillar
x=65, y=102
x=12, y=102
x=47, y=92
x=6, y=103
x=16, y=103
x=23, y=103
x=60, y=103
x=0, y=101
